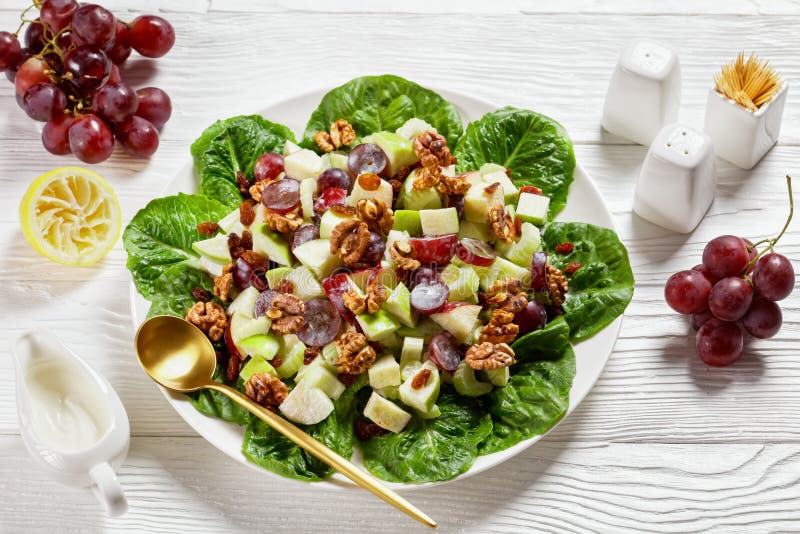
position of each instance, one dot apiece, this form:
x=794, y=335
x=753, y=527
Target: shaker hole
x=669, y=144
x=686, y=152
x=683, y=132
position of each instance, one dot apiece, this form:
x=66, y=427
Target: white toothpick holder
x=676, y=183
x=742, y=136
x=644, y=93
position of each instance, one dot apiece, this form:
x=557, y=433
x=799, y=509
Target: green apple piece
x=409, y=369
x=425, y=328
x=533, y=208
x=384, y=372
x=319, y=361
x=422, y=398
x=511, y=210
x=306, y=405
x=319, y=377
x=475, y=230
x=521, y=251
x=245, y=303
x=215, y=248
x=305, y=284
x=290, y=148
x=389, y=392
x=412, y=199
x=330, y=353
x=302, y=164
x=276, y=276
x=228, y=223
x=264, y=345
x=334, y=160
x=413, y=127
x=271, y=244
x=256, y=365
x=292, y=352
x=386, y=414
x=399, y=150
x=439, y=222
x=398, y=303
x=328, y=222
x=384, y=192
x=244, y=327
x=467, y=384
x=498, y=377
x=307, y=189
x=510, y=191
x=316, y=255
x=433, y=413
x=460, y=319
x=489, y=168
x=502, y=269
x=408, y=221
x=214, y=268
x=384, y=274
x=391, y=238
x=377, y=325
x=391, y=342
x=477, y=202
x=463, y=283
x=411, y=351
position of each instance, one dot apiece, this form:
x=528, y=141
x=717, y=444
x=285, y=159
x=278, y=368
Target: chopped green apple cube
x=475, y=230
x=463, y=283
x=384, y=192
x=390, y=342
x=386, y=414
x=521, y=251
x=307, y=189
x=243, y=326
x=441, y=221
x=214, y=268
x=467, y=384
x=305, y=285
x=320, y=377
x=478, y=202
x=489, y=168
x=316, y=255
x=256, y=365
x=425, y=328
x=276, y=276
x=215, y=248
x=433, y=413
x=329, y=354
x=229, y=222
x=398, y=149
x=271, y=244
x=389, y=392
x=412, y=199
x=392, y=237
x=498, y=377
x=398, y=303
x=533, y=208
x=302, y=164
x=316, y=362
x=334, y=160
x=264, y=345
x=422, y=398
x=384, y=372
x=328, y=222
x=413, y=127
x=292, y=352
x=510, y=190
x=409, y=370
x=245, y=303
x=502, y=269
x=408, y=221
x=290, y=148
x=458, y=318
x=412, y=350
x=377, y=325
x=306, y=405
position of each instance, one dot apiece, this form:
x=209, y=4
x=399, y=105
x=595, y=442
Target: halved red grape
x=532, y=317
x=475, y=252
x=245, y=276
x=305, y=233
x=57, y=14
x=438, y=250
x=88, y=66
x=773, y=276
x=725, y=255
x=44, y=101
x=322, y=323
x=154, y=105
x=31, y=72
x=764, y=318
x=699, y=319
x=55, y=135
x=333, y=177
x=719, y=343
x=375, y=249
x=730, y=298
x=429, y=297
x=121, y=51
x=90, y=139
x=10, y=50
x=687, y=292
x=115, y=102
x=95, y=25
x=335, y=286
x=263, y=302
x=423, y=275
x=151, y=36
x=282, y=196
x=331, y=196
x=443, y=351
x=539, y=271
x=268, y=166
x=366, y=158
x=138, y=136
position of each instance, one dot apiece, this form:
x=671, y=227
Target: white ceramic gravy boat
x=71, y=419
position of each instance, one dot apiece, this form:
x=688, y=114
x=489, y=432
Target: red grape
x=67, y=40
x=725, y=255
x=423, y=275
x=263, y=302
x=115, y=102
x=533, y=317
x=375, y=249
x=764, y=318
x=24, y=55
x=30, y=73
x=333, y=178
x=245, y=276
x=429, y=297
x=9, y=50
x=700, y=268
x=366, y=158
x=154, y=105
x=539, y=271
x=44, y=101
x=282, y=196
x=438, y=250
x=335, y=286
x=730, y=298
x=57, y=14
x=304, y=234
x=121, y=50
x=151, y=36
x=88, y=66
x=90, y=139
x=138, y=136
x=34, y=36
x=268, y=166
x=752, y=251
x=719, y=343
x=687, y=292
x=457, y=202
x=115, y=77
x=55, y=135
x=331, y=196
x=443, y=351
x=773, y=276
x=322, y=323
x=95, y=25
x=475, y=252
x=699, y=319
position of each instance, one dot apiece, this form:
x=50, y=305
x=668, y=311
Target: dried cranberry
x=565, y=248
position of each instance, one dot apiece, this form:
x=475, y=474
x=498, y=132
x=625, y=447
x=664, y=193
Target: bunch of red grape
x=735, y=288
x=68, y=77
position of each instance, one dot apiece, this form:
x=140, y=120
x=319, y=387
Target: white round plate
x=585, y=204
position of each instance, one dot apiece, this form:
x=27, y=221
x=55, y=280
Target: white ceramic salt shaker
x=739, y=135
x=71, y=419
x=676, y=183
x=644, y=93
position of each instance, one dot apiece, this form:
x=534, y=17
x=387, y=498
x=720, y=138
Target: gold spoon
x=177, y=355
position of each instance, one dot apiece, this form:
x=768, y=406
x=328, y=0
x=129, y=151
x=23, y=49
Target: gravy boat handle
x=108, y=490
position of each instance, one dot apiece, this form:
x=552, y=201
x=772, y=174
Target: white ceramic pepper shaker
x=676, y=183
x=644, y=93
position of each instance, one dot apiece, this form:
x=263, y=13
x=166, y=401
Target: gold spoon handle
x=324, y=453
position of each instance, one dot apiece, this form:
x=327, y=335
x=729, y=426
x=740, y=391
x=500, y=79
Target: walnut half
x=266, y=390
x=208, y=317
x=490, y=356
x=355, y=355
x=287, y=312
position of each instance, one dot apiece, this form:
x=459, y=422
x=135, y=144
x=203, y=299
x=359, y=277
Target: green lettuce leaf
x=269, y=449
x=428, y=450
x=231, y=146
x=547, y=342
x=602, y=288
x=215, y=404
x=172, y=291
x=535, y=398
x=376, y=103
x=534, y=147
x=160, y=236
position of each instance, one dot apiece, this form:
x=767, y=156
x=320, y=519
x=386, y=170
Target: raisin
x=420, y=379
x=490, y=189
x=369, y=181
x=365, y=430
x=198, y=293
x=243, y=183
x=276, y=362
x=310, y=354
x=247, y=212
x=530, y=189
x=234, y=368
x=255, y=260
x=346, y=379
x=565, y=248
x=572, y=267
x=207, y=228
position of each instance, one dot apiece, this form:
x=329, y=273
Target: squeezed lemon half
x=71, y=216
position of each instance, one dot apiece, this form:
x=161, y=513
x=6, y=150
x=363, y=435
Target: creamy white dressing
x=68, y=413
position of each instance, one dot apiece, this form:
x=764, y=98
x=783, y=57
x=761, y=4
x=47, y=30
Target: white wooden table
x=662, y=444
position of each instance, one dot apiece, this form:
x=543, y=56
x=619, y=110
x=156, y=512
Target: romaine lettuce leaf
x=172, y=291
x=534, y=147
x=231, y=146
x=216, y=404
x=549, y=342
x=376, y=103
x=602, y=288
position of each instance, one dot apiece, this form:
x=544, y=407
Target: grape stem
x=772, y=242
x=23, y=20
